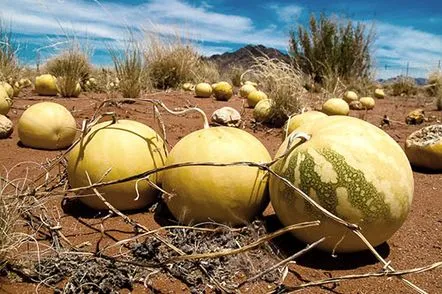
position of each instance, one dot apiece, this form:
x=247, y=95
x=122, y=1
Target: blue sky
x=407, y=31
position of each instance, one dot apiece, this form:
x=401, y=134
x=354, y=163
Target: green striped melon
x=354, y=170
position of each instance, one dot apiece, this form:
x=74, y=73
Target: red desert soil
x=418, y=243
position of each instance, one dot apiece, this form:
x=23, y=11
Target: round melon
x=77, y=90
x=379, y=93
x=245, y=90
x=187, y=86
x=251, y=83
x=335, y=106
x=5, y=101
x=297, y=120
x=254, y=97
x=203, y=90
x=25, y=83
x=223, y=91
x=47, y=125
x=112, y=151
x=8, y=88
x=367, y=102
x=352, y=169
x=46, y=85
x=350, y=96
x=17, y=88
x=262, y=110
x=424, y=147
x=231, y=195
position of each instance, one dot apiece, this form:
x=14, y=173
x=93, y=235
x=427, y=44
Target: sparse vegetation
x=434, y=87
x=129, y=69
x=71, y=68
x=283, y=84
x=332, y=52
x=170, y=62
x=403, y=86
x=9, y=65
x=174, y=61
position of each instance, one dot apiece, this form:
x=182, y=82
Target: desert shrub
x=403, y=86
x=130, y=69
x=70, y=67
x=434, y=84
x=332, y=51
x=283, y=84
x=170, y=62
x=9, y=65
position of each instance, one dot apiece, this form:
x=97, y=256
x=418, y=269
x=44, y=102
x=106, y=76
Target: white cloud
x=396, y=46
x=110, y=20
x=287, y=13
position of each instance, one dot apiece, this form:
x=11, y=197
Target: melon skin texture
x=231, y=195
x=350, y=96
x=245, y=90
x=297, y=120
x=424, y=147
x=5, y=102
x=223, y=91
x=254, y=97
x=47, y=125
x=335, y=106
x=379, y=93
x=354, y=170
x=203, y=90
x=262, y=110
x=46, y=85
x=127, y=148
x=8, y=88
x=367, y=102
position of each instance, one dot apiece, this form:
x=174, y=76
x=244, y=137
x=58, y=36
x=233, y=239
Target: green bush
x=332, y=51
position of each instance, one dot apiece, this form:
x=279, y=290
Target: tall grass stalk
x=283, y=84
x=130, y=69
x=9, y=65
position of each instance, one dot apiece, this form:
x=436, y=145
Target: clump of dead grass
x=403, y=86
x=71, y=67
x=207, y=71
x=282, y=83
x=130, y=70
x=173, y=61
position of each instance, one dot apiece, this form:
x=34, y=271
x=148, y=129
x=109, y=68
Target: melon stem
x=192, y=109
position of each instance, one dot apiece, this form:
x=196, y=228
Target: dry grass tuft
x=130, y=69
x=174, y=61
x=71, y=67
x=283, y=84
x=207, y=71
x=9, y=65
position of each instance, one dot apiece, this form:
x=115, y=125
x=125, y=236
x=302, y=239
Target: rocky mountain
x=244, y=56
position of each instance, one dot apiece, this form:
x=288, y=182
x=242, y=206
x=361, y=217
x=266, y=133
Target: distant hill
x=244, y=56
x=418, y=81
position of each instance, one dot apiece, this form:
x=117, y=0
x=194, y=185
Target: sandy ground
x=417, y=243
